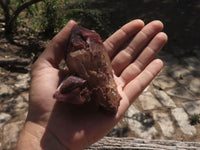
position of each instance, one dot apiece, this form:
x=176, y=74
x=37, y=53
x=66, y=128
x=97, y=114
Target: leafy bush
x=49, y=16
x=11, y=10
x=194, y=119
x=91, y=18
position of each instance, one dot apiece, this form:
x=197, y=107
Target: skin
x=52, y=125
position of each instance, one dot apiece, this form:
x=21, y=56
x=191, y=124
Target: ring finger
x=135, y=47
x=146, y=56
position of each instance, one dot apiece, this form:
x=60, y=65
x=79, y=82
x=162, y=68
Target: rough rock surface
x=108, y=143
x=91, y=76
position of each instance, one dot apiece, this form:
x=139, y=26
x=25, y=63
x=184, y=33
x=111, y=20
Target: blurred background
x=45, y=18
x=26, y=27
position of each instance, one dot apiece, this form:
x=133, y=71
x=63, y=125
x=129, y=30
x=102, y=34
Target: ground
x=161, y=112
x=164, y=108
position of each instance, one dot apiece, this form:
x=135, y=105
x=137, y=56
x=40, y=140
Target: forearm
x=35, y=137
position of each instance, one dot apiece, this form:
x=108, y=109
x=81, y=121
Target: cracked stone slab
x=164, y=98
x=4, y=117
x=11, y=132
x=15, y=104
x=164, y=122
x=5, y=89
x=178, y=72
x=195, y=85
x=148, y=101
x=23, y=81
x=141, y=124
x=193, y=63
x=181, y=92
x=21, y=103
x=164, y=82
x=183, y=121
x=192, y=107
x=130, y=143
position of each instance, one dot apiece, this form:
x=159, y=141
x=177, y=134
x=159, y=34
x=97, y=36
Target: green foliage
x=17, y=3
x=49, y=16
x=89, y=17
x=12, y=10
x=194, y=119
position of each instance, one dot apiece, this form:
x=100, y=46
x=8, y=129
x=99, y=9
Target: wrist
x=30, y=137
x=36, y=137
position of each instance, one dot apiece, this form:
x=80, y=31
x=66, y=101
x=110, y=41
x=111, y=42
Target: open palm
x=131, y=49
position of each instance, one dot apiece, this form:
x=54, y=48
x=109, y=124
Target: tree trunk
x=5, y=7
x=11, y=19
x=128, y=143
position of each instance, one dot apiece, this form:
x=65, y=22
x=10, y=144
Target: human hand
x=55, y=125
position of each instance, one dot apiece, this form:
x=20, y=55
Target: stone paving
x=162, y=111
x=168, y=102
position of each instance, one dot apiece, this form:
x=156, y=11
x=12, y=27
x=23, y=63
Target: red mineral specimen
x=91, y=72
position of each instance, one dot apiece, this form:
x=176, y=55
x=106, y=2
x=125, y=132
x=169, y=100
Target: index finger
x=54, y=53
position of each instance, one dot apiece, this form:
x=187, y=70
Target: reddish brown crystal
x=88, y=60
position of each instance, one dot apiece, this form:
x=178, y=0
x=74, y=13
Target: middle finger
x=136, y=46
